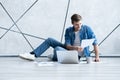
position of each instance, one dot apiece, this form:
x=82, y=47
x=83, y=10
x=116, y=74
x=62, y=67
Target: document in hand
x=87, y=42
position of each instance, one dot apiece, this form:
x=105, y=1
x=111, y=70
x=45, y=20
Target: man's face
x=77, y=25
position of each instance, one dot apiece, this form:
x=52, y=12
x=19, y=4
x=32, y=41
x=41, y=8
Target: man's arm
x=69, y=47
x=96, y=49
x=78, y=48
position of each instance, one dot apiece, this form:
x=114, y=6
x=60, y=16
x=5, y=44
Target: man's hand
x=79, y=49
x=97, y=60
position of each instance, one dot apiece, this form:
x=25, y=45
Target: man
x=73, y=37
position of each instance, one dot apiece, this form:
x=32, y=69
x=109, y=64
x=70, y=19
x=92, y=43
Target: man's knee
x=49, y=40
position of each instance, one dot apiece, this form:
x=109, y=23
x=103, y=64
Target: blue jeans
x=58, y=48
x=50, y=42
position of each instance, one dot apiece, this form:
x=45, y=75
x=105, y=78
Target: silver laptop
x=67, y=57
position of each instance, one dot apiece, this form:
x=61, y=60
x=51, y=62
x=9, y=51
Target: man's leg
x=58, y=48
x=41, y=49
x=50, y=42
x=86, y=52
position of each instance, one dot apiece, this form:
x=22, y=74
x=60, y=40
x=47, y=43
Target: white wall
x=45, y=19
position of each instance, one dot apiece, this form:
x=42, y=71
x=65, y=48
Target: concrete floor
x=14, y=68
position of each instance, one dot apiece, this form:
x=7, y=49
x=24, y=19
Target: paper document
x=87, y=42
x=46, y=64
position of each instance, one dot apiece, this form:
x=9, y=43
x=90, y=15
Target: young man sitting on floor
x=73, y=37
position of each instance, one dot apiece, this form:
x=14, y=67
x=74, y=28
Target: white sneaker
x=27, y=56
x=50, y=56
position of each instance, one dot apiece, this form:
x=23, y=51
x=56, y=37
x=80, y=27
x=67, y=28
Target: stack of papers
x=87, y=42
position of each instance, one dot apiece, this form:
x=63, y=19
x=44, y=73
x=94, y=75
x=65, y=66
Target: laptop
x=67, y=57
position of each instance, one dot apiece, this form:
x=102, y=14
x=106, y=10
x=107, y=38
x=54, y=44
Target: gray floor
x=14, y=68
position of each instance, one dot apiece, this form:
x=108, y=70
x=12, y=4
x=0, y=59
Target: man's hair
x=75, y=18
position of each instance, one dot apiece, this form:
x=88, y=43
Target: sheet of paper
x=87, y=42
x=46, y=64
